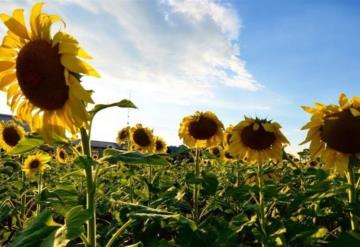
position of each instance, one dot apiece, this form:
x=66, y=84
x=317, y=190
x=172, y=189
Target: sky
x=260, y=58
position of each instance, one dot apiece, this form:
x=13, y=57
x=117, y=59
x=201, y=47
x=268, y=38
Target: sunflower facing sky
x=334, y=132
x=201, y=130
x=10, y=135
x=35, y=164
x=257, y=140
x=142, y=139
x=40, y=74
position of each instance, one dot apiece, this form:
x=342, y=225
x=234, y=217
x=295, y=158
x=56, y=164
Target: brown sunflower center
x=41, y=75
x=62, y=154
x=159, y=145
x=141, y=138
x=11, y=136
x=34, y=164
x=204, y=128
x=228, y=155
x=257, y=139
x=216, y=151
x=79, y=148
x=341, y=131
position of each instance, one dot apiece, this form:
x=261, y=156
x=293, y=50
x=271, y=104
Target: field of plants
x=225, y=186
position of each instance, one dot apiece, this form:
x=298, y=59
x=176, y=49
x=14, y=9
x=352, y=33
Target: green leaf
x=113, y=156
x=210, y=182
x=27, y=144
x=40, y=232
x=74, y=221
x=349, y=239
x=122, y=103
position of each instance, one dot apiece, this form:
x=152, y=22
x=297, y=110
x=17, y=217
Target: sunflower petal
x=14, y=25
x=34, y=20
x=343, y=100
x=79, y=91
x=78, y=66
x=354, y=112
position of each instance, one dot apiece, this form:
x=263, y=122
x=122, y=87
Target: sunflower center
x=257, y=139
x=41, y=75
x=34, y=164
x=216, y=152
x=228, y=155
x=203, y=129
x=159, y=145
x=341, y=131
x=141, y=138
x=62, y=154
x=11, y=136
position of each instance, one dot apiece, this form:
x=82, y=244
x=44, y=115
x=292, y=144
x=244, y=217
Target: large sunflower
x=257, y=140
x=123, y=135
x=334, y=132
x=201, y=130
x=35, y=164
x=142, y=139
x=10, y=135
x=41, y=72
x=160, y=145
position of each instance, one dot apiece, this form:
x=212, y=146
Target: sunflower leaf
x=125, y=103
x=27, y=144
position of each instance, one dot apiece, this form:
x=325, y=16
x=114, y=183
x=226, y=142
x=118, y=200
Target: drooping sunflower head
x=10, y=135
x=61, y=155
x=123, y=135
x=201, y=130
x=257, y=140
x=142, y=139
x=334, y=132
x=40, y=74
x=35, y=164
x=160, y=145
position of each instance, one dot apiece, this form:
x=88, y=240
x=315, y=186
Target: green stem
x=150, y=184
x=238, y=174
x=261, y=205
x=91, y=189
x=352, y=193
x=38, y=206
x=118, y=232
x=196, y=187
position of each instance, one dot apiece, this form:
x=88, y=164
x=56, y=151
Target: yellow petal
x=78, y=66
x=11, y=42
x=343, y=100
x=268, y=127
x=5, y=65
x=34, y=20
x=78, y=90
x=7, y=52
x=15, y=26
x=6, y=79
x=256, y=126
x=354, y=112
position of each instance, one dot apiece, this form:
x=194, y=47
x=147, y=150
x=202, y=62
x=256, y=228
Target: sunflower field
x=225, y=186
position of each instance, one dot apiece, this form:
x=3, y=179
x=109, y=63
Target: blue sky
x=258, y=58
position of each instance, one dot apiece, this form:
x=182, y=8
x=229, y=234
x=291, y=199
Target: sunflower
x=201, y=130
x=78, y=147
x=35, y=164
x=142, y=139
x=217, y=151
x=257, y=140
x=40, y=74
x=10, y=135
x=160, y=145
x=123, y=135
x=334, y=132
x=61, y=155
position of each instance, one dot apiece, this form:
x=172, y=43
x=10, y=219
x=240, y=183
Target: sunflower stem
x=38, y=206
x=352, y=192
x=196, y=187
x=119, y=232
x=91, y=189
x=261, y=204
